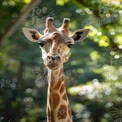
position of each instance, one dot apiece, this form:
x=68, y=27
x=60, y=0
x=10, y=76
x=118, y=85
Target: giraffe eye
x=41, y=44
x=69, y=45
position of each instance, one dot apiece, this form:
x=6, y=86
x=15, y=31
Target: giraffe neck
x=58, y=108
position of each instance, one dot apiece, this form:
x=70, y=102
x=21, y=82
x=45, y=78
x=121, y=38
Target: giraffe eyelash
x=41, y=44
x=69, y=45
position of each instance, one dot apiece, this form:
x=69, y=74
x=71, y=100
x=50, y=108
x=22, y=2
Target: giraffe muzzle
x=53, y=62
x=54, y=58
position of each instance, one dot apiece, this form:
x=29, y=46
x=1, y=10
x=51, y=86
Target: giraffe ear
x=80, y=35
x=31, y=34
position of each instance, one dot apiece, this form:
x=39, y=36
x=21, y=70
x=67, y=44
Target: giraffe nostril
x=57, y=58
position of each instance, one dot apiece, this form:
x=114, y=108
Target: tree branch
x=11, y=28
x=96, y=13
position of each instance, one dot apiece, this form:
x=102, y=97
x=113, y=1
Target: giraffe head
x=55, y=43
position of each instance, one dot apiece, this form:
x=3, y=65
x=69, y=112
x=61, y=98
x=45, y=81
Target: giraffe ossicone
x=55, y=46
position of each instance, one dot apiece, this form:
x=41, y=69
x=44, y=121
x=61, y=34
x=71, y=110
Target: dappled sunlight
x=111, y=73
x=78, y=107
x=118, y=39
x=94, y=55
x=112, y=2
x=14, y=2
x=94, y=94
x=97, y=91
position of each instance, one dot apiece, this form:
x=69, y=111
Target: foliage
x=93, y=73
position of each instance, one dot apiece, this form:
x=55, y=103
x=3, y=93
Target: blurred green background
x=94, y=71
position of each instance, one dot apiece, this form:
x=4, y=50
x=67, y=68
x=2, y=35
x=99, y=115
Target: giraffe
x=55, y=45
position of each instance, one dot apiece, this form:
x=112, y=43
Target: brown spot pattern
x=62, y=88
x=52, y=116
x=65, y=97
x=56, y=99
x=61, y=79
x=62, y=70
x=57, y=85
x=62, y=112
